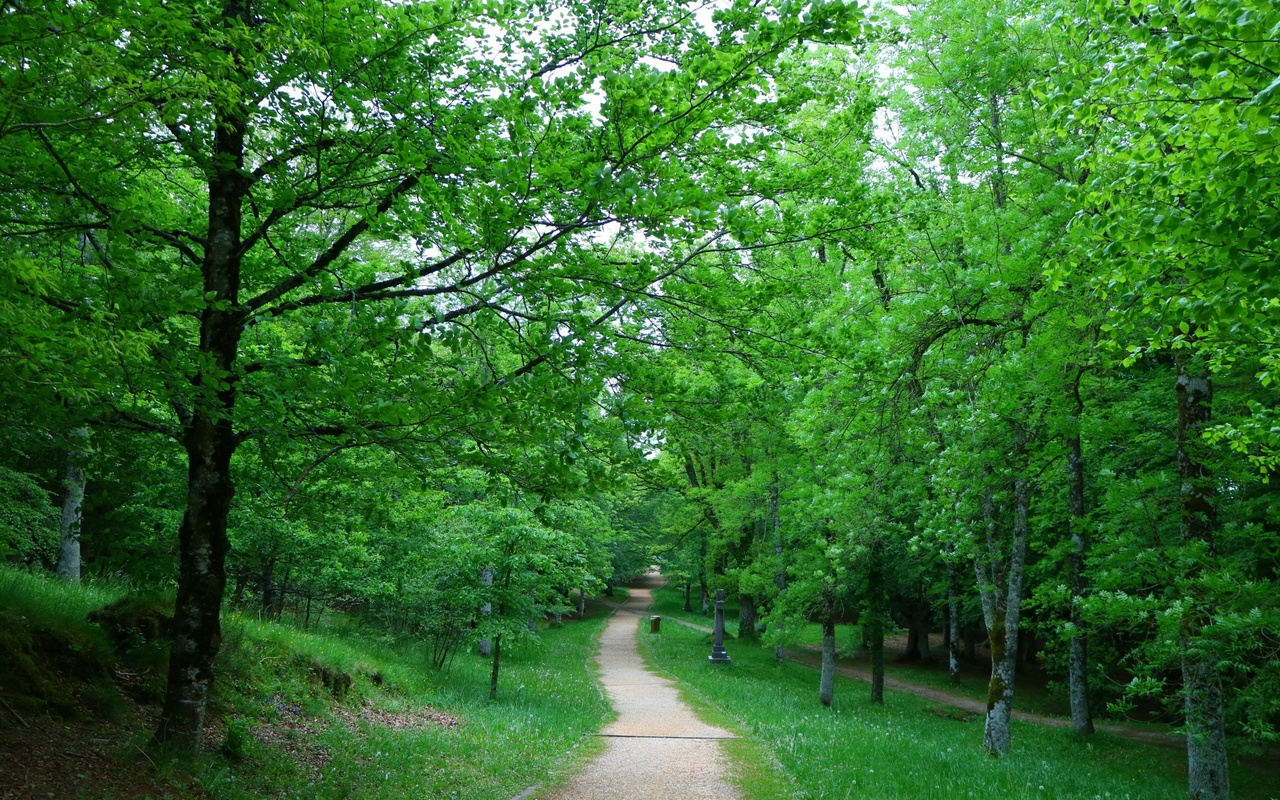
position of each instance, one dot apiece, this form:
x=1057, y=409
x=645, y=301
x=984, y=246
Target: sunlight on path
x=656, y=748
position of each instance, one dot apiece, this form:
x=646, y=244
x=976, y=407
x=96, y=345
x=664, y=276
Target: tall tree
x=385, y=176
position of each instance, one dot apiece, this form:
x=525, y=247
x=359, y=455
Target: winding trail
x=657, y=748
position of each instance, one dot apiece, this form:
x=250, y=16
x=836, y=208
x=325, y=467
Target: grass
x=536, y=731
x=903, y=750
x=1034, y=695
x=302, y=714
x=45, y=600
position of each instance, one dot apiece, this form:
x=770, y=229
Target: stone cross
x=718, y=655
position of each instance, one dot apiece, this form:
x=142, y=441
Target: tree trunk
x=688, y=589
x=1001, y=610
x=493, y=674
x=1207, y=774
x=873, y=628
x=827, y=681
x=72, y=502
x=953, y=622
x=780, y=575
x=747, y=618
x=1078, y=644
x=210, y=441
x=918, y=626
x=486, y=580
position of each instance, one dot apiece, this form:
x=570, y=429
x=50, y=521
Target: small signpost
x=718, y=654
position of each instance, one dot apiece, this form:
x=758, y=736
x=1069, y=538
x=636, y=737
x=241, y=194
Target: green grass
x=537, y=730
x=1033, y=695
x=903, y=750
x=288, y=734
x=45, y=600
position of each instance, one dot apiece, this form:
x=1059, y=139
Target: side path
x=657, y=748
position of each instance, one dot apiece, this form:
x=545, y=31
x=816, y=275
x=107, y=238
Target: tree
x=386, y=176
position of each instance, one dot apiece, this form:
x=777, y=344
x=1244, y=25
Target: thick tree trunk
x=827, y=680
x=72, y=502
x=203, y=546
x=210, y=441
x=1077, y=646
x=1207, y=774
x=747, y=618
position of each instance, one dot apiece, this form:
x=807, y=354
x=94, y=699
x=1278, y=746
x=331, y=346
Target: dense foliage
x=955, y=318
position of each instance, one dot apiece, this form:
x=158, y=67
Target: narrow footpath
x=657, y=748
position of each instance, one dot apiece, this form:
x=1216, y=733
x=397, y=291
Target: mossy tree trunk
x=1001, y=590
x=1207, y=774
x=209, y=439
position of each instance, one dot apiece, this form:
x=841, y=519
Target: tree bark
x=1077, y=646
x=72, y=502
x=493, y=674
x=210, y=441
x=827, y=680
x=1001, y=609
x=1207, y=774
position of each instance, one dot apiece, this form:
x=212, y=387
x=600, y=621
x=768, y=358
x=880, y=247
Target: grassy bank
x=304, y=714
x=908, y=748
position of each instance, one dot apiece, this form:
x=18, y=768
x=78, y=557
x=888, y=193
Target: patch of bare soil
x=419, y=718
x=41, y=757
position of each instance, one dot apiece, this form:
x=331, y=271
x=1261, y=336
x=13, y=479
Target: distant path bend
x=656, y=749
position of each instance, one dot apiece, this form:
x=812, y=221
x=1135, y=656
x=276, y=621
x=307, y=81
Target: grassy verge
x=903, y=750
x=383, y=738
x=294, y=714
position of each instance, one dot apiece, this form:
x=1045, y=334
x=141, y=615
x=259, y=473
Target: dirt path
x=657, y=748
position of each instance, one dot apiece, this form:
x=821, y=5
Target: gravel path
x=657, y=748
